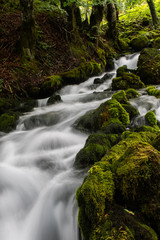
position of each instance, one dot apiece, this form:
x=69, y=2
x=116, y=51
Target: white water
x=37, y=180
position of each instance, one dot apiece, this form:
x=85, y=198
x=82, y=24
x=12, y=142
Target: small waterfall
x=37, y=178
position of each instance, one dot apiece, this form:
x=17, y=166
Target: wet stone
x=107, y=76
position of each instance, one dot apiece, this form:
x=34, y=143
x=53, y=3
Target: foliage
x=9, y=5
x=132, y=11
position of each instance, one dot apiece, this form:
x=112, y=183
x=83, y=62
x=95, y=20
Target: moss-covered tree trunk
x=27, y=38
x=74, y=15
x=74, y=19
x=96, y=18
x=153, y=12
x=111, y=16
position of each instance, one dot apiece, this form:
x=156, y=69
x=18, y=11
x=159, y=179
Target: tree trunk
x=74, y=19
x=68, y=9
x=74, y=15
x=28, y=38
x=112, y=21
x=96, y=18
x=153, y=12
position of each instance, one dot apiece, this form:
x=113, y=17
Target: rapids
x=37, y=179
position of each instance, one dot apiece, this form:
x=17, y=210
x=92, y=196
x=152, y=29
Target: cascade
x=37, y=178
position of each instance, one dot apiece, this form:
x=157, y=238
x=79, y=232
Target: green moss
x=81, y=73
x=149, y=66
x=156, y=43
x=110, y=112
x=121, y=70
x=116, y=114
x=120, y=97
x=79, y=51
x=29, y=66
x=150, y=230
x=151, y=119
x=96, y=146
x=144, y=136
x=131, y=93
x=128, y=175
x=139, y=43
x=133, y=170
x=123, y=44
x=132, y=111
x=151, y=90
x=92, y=197
x=51, y=84
x=7, y=122
x=156, y=142
x=148, y=129
x=127, y=80
x=102, y=56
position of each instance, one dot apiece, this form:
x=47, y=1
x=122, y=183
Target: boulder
x=96, y=146
x=107, y=76
x=124, y=184
x=127, y=80
x=156, y=43
x=131, y=93
x=7, y=122
x=121, y=97
x=54, y=99
x=121, y=70
x=151, y=119
x=108, y=112
x=138, y=43
x=149, y=66
x=153, y=91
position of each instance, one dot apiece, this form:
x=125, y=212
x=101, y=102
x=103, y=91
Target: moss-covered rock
x=132, y=111
x=128, y=175
x=93, y=196
x=127, y=80
x=121, y=70
x=131, y=93
x=156, y=43
x=153, y=91
x=51, y=84
x=121, y=224
x=149, y=66
x=123, y=44
x=134, y=169
x=156, y=142
x=122, y=98
x=109, y=112
x=107, y=76
x=139, y=43
x=7, y=122
x=95, y=148
x=54, y=99
x=137, y=174
x=145, y=128
x=11, y=109
x=151, y=119
x=74, y=76
x=81, y=73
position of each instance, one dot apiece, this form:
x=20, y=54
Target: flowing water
x=37, y=180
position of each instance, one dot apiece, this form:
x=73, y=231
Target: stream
x=37, y=179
